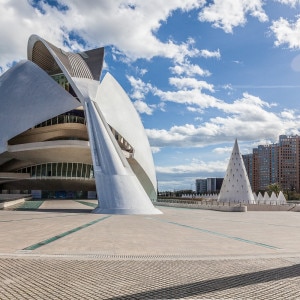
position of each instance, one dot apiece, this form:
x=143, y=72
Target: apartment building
x=275, y=163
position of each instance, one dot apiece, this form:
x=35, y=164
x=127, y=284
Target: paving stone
x=183, y=254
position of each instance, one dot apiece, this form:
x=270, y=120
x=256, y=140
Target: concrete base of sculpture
x=124, y=197
x=125, y=211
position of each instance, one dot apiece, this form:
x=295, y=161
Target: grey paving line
x=66, y=233
x=235, y=221
x=218, y=234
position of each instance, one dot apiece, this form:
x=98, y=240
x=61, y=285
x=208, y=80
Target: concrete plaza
x=57, y=249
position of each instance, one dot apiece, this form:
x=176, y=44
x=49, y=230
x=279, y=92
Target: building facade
x=208, y=185
x=275, y=163
x=63, y=133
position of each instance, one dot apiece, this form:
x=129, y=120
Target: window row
x=61, y=170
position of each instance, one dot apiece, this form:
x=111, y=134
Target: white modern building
x=63, y=133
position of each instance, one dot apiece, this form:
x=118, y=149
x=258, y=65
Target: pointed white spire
x=255, y=197
x=273, y=198
x=266, y=197
x=236, y=186
x=259, y=198
x=281, y=198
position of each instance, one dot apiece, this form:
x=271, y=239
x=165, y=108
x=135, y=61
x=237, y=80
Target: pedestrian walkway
x=62, y=251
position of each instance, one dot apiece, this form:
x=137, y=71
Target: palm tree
x=274, y=187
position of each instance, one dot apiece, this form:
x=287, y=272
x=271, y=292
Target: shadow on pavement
x=203, y=287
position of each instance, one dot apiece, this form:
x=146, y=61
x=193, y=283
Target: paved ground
x=57, y=249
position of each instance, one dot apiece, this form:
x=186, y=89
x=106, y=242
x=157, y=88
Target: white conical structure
x=266, y=198
x=281, y=198
x=255, y=197
x=236, y=186
x=273, y=198
x=259, y=198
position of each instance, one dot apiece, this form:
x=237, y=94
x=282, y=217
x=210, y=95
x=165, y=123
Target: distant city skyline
x=200, y=73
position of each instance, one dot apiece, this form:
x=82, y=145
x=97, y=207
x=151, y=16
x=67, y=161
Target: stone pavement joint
x=220, y=234
x=54, y=238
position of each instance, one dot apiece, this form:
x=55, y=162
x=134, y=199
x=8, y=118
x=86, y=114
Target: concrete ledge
x=13, y=200
x=270, y=207
x=234, y=208
x=231, y=207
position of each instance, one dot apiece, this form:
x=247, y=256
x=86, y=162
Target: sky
x=200, y=73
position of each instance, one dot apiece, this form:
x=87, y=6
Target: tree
x=274, y=187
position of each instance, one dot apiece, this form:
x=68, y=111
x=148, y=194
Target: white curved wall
x=24, y=102
x=120, y=113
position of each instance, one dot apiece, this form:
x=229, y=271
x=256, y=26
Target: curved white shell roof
x=24, y=102
x=120, y=113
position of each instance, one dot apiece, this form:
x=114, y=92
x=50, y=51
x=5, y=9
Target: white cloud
x=188, y=97
x=139, y=88
x=287, y=33
x=187, y=82
x=227, y=14
x=142, y=107
x=227, y=87
x=143, y=71
x=155, y=149
x=189, y=70
x=129, y=26
x=288, y=114
x=194, y=109
x=223, y=150
x=292, y=3
x=208, y=54
x=248, y=118
x=195, y=167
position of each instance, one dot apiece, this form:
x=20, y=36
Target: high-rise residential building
x=267, y=166
x=275, y=163
x=289, y=162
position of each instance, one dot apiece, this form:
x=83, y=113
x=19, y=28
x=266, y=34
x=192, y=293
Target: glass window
x=64, y=169
x=59, y=169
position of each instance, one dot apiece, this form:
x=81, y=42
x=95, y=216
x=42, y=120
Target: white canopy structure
x=111, y=137
x=236, y=186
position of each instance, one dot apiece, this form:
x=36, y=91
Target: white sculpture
x=281, y=198
x=266, y=198
x=259, y=198
x=236, y=186
x=273, y=199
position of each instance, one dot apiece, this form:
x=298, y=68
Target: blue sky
x=200, y=73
